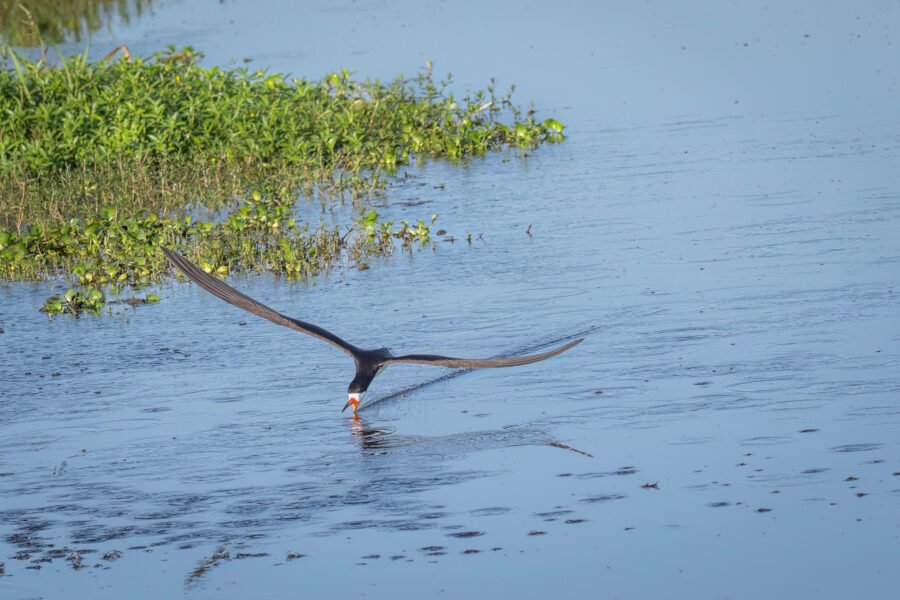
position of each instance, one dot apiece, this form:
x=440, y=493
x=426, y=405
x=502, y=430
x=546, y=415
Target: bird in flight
x=368, y=362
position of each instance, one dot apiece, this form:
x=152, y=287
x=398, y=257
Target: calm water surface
x=722, y=225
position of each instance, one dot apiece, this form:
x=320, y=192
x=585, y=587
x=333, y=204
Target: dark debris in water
x=601, y=498
x=433, y=515
x=207, y=564
x=556, y=444
x=466, y=534
x=19, y=539
x=553, y=514
x=112, y=555
x=76, y=560
x=242, y=555
x=537, y=532
x=620, y=472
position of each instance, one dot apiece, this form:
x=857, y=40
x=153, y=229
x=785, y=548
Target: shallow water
x=722, y=223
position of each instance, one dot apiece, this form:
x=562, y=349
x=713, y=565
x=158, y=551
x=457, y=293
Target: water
x=722, y=222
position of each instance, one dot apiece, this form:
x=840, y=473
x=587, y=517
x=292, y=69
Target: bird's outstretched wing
x=236, y=298
x=477, y=363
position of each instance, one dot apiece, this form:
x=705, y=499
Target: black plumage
x=368, y=362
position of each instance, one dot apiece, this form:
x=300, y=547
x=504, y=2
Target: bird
x=369, y=363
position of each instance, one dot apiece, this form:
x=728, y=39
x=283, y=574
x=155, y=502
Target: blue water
x=723, y=223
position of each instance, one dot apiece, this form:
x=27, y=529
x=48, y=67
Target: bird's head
x=354, y=399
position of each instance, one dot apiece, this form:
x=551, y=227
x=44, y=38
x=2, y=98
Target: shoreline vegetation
x=103, y=161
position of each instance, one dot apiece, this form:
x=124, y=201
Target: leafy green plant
x=76, y=301
x=113, y=253
x=101, y=162
x=145, y=133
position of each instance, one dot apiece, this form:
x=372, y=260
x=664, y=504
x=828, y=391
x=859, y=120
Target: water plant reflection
x=37, y=22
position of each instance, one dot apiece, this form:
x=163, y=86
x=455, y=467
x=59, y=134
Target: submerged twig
x=556, y=444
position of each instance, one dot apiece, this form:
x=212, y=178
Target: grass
x=100, y=162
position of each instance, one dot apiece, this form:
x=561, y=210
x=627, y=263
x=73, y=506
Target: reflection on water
x=370, y=438
x=36, y=22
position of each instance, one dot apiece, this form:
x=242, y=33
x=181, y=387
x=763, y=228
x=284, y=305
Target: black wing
x=477, y=363
x=234, y=297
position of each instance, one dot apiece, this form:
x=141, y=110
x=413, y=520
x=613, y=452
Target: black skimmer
x=368, y=362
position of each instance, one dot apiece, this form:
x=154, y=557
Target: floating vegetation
x=101, y=162
x=75, y=302
x=116, y=253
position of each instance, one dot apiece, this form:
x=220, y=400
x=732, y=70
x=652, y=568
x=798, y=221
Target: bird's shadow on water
x=382, y=440
x=390, y=397
x=375, y=441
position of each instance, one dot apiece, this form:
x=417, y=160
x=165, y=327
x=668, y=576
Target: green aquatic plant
x=101, y=162
x=108, y=255
x=148, y=133
x=378, y=233
x=76, y=301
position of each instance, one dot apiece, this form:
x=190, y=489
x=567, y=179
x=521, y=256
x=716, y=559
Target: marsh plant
x=150, y=134
x=103, y=161
x=111, y=254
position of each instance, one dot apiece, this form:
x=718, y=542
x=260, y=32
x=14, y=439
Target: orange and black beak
x=353, y=401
